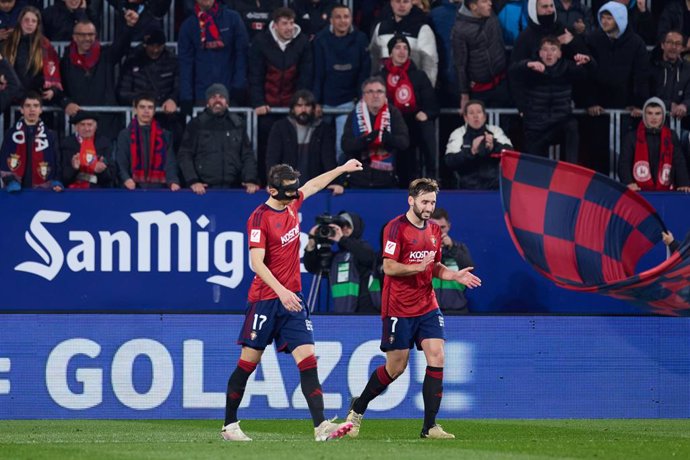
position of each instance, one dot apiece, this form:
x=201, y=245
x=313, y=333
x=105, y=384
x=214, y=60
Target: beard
x=304, y=118
x=421, y=214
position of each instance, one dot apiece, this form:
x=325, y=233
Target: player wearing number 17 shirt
x=275, y=310
x=409, y=310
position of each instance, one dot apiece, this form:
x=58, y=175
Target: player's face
x=293, y=193
x=423, y=205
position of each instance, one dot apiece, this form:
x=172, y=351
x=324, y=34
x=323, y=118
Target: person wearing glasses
x=671, y=75
x=375, y=133
x=88, y=72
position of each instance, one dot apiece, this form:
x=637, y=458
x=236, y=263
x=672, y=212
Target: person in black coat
x=88, y=72
x=473, y=149
x=59, y=18
x=543, y=92
x=542, y=23
x=303, y=141
x=410, y=91
x=86, y=155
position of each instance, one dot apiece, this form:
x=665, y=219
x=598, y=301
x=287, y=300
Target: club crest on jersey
x=391, y=339
x=253, y=335
x=433, y=240
x=390, y=247
x=255, y=235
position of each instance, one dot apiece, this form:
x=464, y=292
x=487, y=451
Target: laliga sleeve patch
x=255, y=236
x=390, y=247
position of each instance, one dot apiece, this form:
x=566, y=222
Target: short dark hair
x=474, y=102
x=338, y=6
x=283, y=12
x=440, y=213
x=469, y=2
x=422, y=185
x=144, y=97
x=34, y=95
x=672, y=31
x=281, y=173
x=304, y=94
x=372, y=80
x=551, y=40
x=84, y=22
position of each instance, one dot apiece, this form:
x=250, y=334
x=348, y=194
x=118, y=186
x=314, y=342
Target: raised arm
x=318, y=183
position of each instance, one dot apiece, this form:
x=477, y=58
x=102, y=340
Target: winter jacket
x=442, y=20
x=576, y=12
x=201, y=67
x=123, y=157
x=216, y=151
x=418, y=33
x=141, y=74
x=151, y=13
x=283, y=148
x=480, y=171
x=9, y=19
x=545, y=99
x=311, y=16
x=274, y=74
x=255, y=17
x=679, y=168
x=670, y=81
x=622, y=77
x=69, y=146
x=527, y=43
x=672, y=19
x=58, y=20
x=513, y=19
x=478, y=49
x=424, y=94
x=341, y=64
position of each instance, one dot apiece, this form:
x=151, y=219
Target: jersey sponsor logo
x=290, y=236
x=419, y=255
x=390, y=247
x=255, y=235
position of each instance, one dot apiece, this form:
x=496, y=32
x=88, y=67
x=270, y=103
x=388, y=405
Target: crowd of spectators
x=388, y=66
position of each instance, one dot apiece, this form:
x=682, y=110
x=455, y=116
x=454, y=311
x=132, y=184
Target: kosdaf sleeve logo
x=255, y=236
x=390, y=247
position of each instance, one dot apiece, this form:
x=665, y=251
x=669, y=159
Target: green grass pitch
x=379, y=439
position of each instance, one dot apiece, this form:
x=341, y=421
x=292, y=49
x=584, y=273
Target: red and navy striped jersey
x=278, y=233
x=413, y=295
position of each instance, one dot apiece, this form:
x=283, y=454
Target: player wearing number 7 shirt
x=409, y=310
x=275, y=310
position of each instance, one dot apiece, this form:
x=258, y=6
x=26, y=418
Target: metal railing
x=493, y=117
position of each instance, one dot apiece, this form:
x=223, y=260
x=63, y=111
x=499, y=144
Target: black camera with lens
x=324, y=233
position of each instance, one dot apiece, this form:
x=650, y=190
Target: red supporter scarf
x=154, y=172
x=207, y=23
x=51, y=66
x=378, y=156
x=42, y=154
x=85, y=61
x=641, y=170
x=399, y=87
x=87, y=163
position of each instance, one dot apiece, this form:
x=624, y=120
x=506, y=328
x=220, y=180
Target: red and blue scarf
x=210, y=36
x=43, y=156
x=154, y=172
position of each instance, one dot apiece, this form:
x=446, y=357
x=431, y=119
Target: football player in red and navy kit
x=410, y=312
x=275, y=310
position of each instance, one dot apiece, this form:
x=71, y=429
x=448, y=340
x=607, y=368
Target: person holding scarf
x=411, y=92
x=212, y=48
x=651, y=158
x=85, y=155
x=88, y=71
x=33, y=57
x=144, y=151
x=375, y=132
x=29, y=154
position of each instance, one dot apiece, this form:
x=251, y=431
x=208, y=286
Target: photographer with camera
x=348, y=267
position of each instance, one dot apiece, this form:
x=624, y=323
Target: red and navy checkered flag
x=586, y=232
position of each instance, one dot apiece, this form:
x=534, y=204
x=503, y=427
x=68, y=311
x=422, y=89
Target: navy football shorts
x=266, y=321
x=403, y=333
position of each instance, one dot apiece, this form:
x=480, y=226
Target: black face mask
x=547, y=20
x=282, y=189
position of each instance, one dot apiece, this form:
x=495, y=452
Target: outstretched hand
x=468, y=279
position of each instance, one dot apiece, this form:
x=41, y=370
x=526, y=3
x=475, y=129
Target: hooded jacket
x=670, y=81
x=277, y=70
x=360, y=252
x=679, y=168
x=478, y=49
x=527, y=43
x=622, y=77
x=418, y=33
